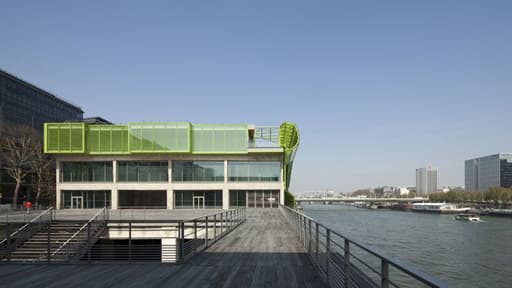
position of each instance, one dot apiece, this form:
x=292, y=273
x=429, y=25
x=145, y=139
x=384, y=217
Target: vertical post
x=316, y=242
x=182, y=246
x=49, y=248
x=130, y=241
x=347, y=262
x=8, y=231
x=304, y=230
x=195, y=236
x=215, y=228
x=206, y=232
x=384, y=274
x=328, y=255
x=89, y=242
x=310, y=234
x=221, y=220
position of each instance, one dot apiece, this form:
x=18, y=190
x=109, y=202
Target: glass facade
x=142, y=171
x=86, y=171
x=86, y=199
x=254, y=198
x=185, y=199
x=237, y=198
x=198, y=171
x=254, y=171
x=142, y=199
x=506, y=170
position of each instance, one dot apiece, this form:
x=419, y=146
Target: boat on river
x=442, y=208
x=467, y=217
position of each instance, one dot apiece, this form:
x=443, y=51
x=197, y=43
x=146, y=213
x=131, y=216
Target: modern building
x=489, y=171
x=426, y=180
x=384, y=191
x=171, y=165
x=22, y=103
x=401, y=191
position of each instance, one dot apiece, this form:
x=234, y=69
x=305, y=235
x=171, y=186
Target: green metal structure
x=170, y=138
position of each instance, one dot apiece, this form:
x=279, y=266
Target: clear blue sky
x=378, y=88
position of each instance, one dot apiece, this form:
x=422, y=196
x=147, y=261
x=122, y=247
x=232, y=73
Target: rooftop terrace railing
x=343, y=262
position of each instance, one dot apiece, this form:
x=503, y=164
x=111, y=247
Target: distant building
x=401, y=191
x=490, y=171
x=22, y=103
x=96, y=120
x=384, y=191
x=426, y=180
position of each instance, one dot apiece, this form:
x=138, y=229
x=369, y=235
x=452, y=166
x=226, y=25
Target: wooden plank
x=262, y=252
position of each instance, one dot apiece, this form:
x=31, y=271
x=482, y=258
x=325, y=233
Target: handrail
x=406, y=268
x=205, y=230
x=29, y=223
x=104, y=209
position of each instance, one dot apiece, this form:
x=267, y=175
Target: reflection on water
x=462, y=254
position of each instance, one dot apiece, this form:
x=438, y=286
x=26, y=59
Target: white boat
x=443, y=208
x=467, y=217
x=360, y=204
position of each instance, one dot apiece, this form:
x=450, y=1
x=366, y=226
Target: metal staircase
x=46, y=239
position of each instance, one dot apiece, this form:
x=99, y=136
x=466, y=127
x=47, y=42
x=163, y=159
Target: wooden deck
x=262, y=252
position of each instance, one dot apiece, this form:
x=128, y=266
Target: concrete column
x=281, y=193
x=58, y=193
x=114, y=171
x=170, y=199
x=114, y=199
x=225, y=190
x=170, y=190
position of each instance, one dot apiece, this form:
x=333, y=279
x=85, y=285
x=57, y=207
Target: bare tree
x=40, y=165
x=18, y=151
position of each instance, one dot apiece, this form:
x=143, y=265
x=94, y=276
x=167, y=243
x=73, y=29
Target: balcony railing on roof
x=265, y=137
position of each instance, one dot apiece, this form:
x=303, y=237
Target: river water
x=462, y=254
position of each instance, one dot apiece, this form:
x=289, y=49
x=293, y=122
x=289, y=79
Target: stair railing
x=81, y=240
x=22, y=234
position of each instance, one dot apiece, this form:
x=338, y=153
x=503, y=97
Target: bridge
x=329, y=200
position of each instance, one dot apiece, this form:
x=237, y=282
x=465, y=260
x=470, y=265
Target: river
x=462, y=254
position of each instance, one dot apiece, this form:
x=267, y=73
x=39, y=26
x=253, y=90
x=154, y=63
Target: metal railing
x=81, y=240
x=199, y=233
x=342, y=262
x=23, y=233
x=129, y=240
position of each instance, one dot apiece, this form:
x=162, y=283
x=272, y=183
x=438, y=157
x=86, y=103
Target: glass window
x=254, y=171
x=86, y=199
x=142, y=171
x=198, y=171
x=86, y=172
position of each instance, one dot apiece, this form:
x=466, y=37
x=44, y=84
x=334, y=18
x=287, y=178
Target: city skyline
x=356, y=80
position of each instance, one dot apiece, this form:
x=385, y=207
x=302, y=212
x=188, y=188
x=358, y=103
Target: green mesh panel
x=159, y=137
x=107, y=139
x=64, y=138
x=219, y=138
x=289, y=139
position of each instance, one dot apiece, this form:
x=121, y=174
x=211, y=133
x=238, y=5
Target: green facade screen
x=141, y=138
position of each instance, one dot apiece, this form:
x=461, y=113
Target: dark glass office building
x=489, y=171
x=22, y=103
